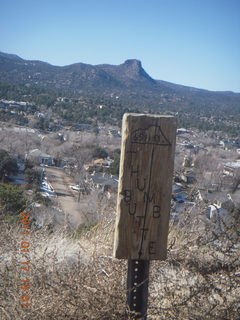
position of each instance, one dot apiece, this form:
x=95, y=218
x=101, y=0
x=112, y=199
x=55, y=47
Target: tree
x=114, y=167
x=235, y=182
x=28, y=164
x=81, y=156
x=42, y=124
x=8, y=165
x=33, y=176
x=95, y=128
x=99, y=152
x=45, y=99
x=12, y=199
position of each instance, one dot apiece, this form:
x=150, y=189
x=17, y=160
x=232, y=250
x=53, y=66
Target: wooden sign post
x=144, y=197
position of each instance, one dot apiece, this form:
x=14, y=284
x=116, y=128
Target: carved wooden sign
x=145, y=185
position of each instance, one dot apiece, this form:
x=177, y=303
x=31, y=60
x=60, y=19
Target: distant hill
x=76, y=76
x=129, y=81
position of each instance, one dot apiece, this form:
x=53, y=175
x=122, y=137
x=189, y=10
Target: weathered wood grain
x=145, y=184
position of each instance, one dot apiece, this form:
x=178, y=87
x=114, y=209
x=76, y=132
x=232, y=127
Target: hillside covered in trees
x=82, y=93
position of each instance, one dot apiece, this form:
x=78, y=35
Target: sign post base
x=137, y=287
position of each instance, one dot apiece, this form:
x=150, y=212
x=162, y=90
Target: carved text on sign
x=145, y=187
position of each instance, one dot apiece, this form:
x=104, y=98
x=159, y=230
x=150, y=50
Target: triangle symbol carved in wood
x=152, y=135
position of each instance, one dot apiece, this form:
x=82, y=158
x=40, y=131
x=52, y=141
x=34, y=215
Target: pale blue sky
x=190, y=42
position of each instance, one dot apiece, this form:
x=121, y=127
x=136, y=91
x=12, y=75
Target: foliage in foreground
x=78, y=279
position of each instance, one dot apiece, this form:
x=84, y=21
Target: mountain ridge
x=77, y=75
x=131, y=69
x=129, y=82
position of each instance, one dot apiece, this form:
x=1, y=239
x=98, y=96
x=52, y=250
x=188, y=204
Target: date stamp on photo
x=24, y=264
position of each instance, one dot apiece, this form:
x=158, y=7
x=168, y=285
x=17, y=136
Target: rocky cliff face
x=75, y=76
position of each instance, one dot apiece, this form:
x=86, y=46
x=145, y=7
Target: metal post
x=137, y=288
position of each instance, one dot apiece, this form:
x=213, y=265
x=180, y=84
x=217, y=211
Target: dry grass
x=70, y=279
x=76, y=277
x=201, y=277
